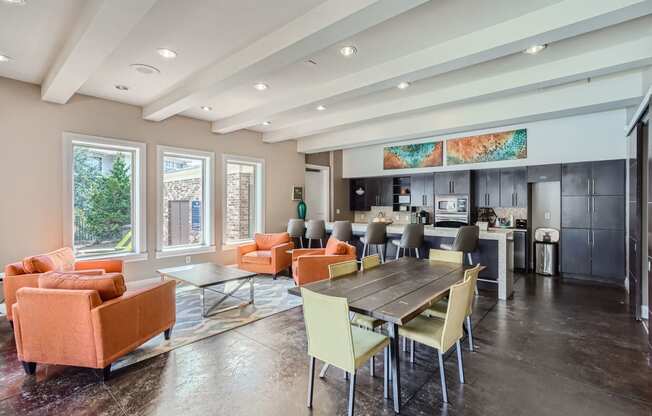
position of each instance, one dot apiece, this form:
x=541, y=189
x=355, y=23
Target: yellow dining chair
x=369, y=262
x=442, y=334
x=446, y=255
x=345, y=268
x=438, y=310
x=333, y=340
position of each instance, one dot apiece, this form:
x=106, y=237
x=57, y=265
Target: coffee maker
x=423, y=217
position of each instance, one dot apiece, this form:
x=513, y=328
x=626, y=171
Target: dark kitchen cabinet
x=576, y=251
x=421, y=188
x=576, y=212
x=544, y=173
x=379, y=192
x=608, y=253
x=358, y=196
x=520, y=250
x=576, y=179
x=608, y=212
x=513, y=188
x=593, y=178
x=453, y=183
x=386, y=191
x=486, y=188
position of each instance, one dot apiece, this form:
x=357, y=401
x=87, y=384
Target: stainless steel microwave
x=452, y=204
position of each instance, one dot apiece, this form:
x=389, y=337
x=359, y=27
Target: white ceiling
x=454, y=52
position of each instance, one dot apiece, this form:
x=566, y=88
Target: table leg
x=251, y=289
x=201, y=296
x=396, y=372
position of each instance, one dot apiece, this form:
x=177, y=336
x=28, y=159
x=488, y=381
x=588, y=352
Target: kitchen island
x=495, y=250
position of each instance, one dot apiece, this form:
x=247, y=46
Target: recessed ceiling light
x=321, y=108
x=16, y=2
x=403, y=85
x=145, y=69
x=206, y=108
x=5, y=58
x=348, y=51
x=167, y=53
x=535, y=49
x=121, y=87
x=260, y=86
x=266, y=123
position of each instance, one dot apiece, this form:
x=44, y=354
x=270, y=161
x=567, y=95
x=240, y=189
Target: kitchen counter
x=495, y=250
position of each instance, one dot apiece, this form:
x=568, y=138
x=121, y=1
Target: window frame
x=208, y=202
x=260, y=195
x=138, y=191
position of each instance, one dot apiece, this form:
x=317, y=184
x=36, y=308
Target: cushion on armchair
x=108, y=286
x=38, y=264
x=59, y=260
x=258, y=257
x=335, y=247
x=267, y=241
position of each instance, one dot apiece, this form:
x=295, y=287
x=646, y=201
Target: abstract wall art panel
x=419, y=155
x=507, y=145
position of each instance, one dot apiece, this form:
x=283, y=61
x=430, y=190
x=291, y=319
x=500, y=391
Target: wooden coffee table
x=206, y=276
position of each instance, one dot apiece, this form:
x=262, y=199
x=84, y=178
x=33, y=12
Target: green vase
x=301, y=210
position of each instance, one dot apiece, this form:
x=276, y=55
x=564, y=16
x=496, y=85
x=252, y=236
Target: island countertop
x=429, y=230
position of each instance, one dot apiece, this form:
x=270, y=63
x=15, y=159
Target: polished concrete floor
x=555, y=349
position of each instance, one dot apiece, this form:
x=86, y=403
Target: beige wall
x=31, y=168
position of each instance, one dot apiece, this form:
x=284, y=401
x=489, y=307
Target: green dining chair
x=369, y=262
x=438, y=310
x=442, y=334
x=345, y=268
x=333, y=340
x=446, y=255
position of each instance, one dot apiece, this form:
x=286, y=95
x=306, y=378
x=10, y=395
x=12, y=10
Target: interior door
x=315, y=195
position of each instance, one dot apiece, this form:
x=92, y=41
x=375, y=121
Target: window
x=243, y=198
x=185, y=202
x=105, y=213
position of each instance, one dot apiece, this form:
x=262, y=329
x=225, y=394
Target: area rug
x=271, y=297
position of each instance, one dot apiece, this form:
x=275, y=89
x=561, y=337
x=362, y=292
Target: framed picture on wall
x=297, y=193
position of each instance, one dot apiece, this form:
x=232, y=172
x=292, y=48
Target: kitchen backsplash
x=397, y=217
x=518, y=213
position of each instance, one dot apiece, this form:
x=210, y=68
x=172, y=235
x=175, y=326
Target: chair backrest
x=328, y=329
x=376, y=233
x=446, y=255
x=369, y=262
x=412, y=236
x=316, y=229
x=296, y=227
x=466, y=239
x=342, y=230
x=458, y=301
x=343, y=268
x=472, y=275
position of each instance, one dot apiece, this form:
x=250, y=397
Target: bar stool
x=296, y=227
x=342, y=231
x=412, y=238
x=465, y=241
x=316, y=230
x=376, y=235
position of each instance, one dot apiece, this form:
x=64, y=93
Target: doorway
x=317, y=192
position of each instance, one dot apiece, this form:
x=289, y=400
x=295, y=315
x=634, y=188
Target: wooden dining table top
x=394, y=292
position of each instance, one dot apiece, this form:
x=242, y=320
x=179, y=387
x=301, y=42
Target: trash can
x=546, y=249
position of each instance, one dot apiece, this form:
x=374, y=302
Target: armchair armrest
x=122, y=324
x=109, y=266
x=12, y=284
x=55, y=326
x=85, y=272
x=281, y=259
x=296, y=253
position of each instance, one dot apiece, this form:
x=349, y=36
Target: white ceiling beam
x=98, y=31
x=550, y=24
x=605, y=93
x=328, y=23
x=626, y=56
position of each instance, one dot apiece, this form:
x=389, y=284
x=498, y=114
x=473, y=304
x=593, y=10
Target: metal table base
x=205, y=313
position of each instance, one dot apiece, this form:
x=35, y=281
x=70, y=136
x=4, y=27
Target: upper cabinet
x=486, y=188
x=453, y=183
x=422, y=190
x=513, y=188
x=544, y=173
x=358, y=195
x=593, y=178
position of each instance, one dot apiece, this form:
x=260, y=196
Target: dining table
x=394, y=292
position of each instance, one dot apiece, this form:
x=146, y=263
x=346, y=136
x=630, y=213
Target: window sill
x=127, y=258
x=184, y=251
x=234, y=246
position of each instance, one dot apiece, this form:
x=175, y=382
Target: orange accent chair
x=76, y=327
x=267, y=254
x=311, y=265
x=26, y=273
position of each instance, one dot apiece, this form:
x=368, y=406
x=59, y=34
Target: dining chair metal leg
x=301, y=241
x=460, y=362
x=442, y=376
x=351, y=393
x=386, y=373
x=364, y=249
x=404, y=344
x=398, y=252
x=382, y=253
x=321, y=243
x=310, y=243
x=372, y=366
x=323, y=371
x=470, y=257
x=412, y=351
x=469, y=329
x=311, y=380
x=417, y=251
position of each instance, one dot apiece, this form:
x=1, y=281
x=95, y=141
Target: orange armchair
x=268, y=254
x=26, y=273
x=311, y=265
x=74, y=327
